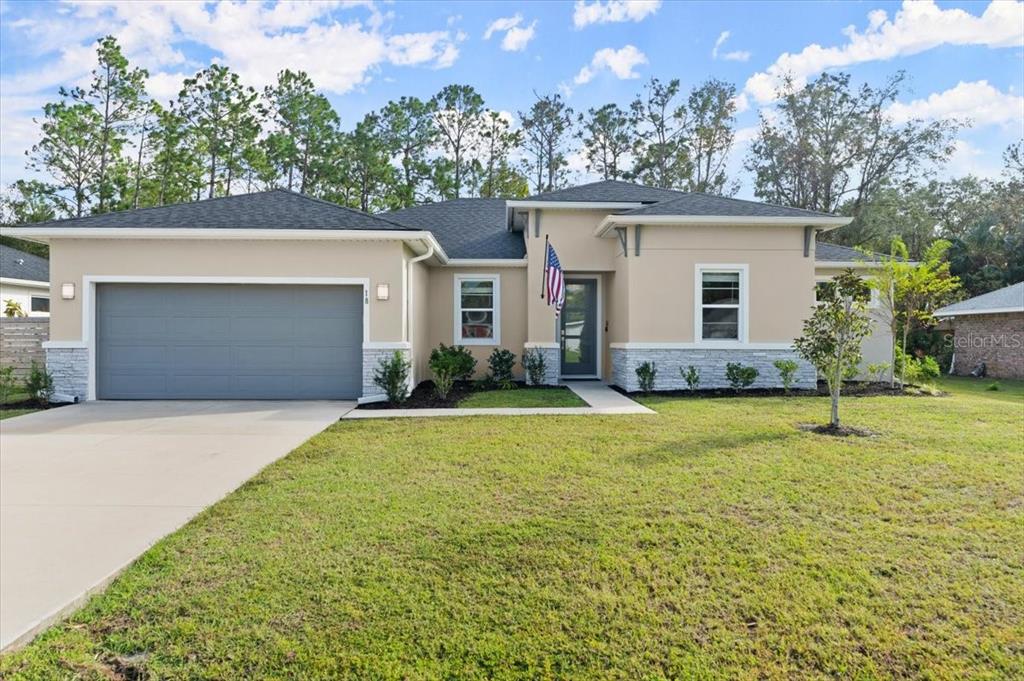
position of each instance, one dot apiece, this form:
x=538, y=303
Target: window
x=722, y=299
x=477, y=310
x=40, y=304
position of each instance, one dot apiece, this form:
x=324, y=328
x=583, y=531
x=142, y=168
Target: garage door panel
x=216, y=341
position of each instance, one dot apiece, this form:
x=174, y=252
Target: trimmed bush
x=392, y=376
x=450, y=363
x=740, y=376
x=501, y=362
x=692, y=377
x=646, y=373
x=39, y=384
x=535, y=365
x=787, y=371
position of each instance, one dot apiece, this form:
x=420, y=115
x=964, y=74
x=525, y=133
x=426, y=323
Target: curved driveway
x=85, y=489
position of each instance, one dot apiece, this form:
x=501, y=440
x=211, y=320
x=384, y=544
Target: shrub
x=450, y=363
x=787, y=371
x=646, y=373
x=994, y=387
x=12, y=308
x=740, y=376
x=691, y=375
x=501, y=363
x=392, y=376
x=40, y=384
x=929, y=368
x=535, y=365
x=877, y=371
x=914, y=370
x=7, y=383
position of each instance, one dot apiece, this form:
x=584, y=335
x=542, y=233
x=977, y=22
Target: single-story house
x=278, y=295
x=988, y=329
x=25, y=279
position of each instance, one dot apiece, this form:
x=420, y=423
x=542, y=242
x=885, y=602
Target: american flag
x=554, y=279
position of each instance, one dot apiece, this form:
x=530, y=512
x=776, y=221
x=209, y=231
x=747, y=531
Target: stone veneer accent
x=371, y=362
x=711, y=364
x=552, y=362
x=995, y=339
x=70, y=370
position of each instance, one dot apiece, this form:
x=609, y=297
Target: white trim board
x=823, y=222
x=27, y=283
x=89, y=282
x=994, y=310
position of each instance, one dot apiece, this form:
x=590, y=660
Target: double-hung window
x=721, y=302
x=477, y=309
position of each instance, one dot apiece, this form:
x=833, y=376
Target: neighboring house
x=988, y=328
x=278, y=295
x=25, y=279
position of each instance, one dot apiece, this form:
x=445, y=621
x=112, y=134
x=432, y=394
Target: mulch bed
x=425, y=397
x=26, y=404
x=865, y=389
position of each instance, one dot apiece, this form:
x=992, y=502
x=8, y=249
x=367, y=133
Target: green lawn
x=712, y=540
x=14, y=398
x=524, y=397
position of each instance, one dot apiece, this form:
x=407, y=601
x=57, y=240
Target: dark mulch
x=425, y=397
x=836, y=431
x=852, y=389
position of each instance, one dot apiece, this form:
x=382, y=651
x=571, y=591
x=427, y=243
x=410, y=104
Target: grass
x=713, y=540
x=523, y=397
x=14, y=398
x=11, y=413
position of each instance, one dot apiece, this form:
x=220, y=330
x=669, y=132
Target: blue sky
x=965, y=59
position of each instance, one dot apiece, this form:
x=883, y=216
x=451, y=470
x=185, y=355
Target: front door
x=579, y=328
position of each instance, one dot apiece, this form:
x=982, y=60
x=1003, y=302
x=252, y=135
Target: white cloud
x=165, y=86
x=517, y=36
x=968, y=159
x=612, y=11
x=979, y=101
x=916, y=27
x=741, y=102
x=621, y=62
x=738, y=55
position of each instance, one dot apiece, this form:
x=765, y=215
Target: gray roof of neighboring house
x=273, y=209
x=826, y=252
x=709, y=204
x=15, y=264
x=1009, y=298
x=608, y=191
x=466, y=228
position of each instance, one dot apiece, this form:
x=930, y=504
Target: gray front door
x=228, y=341
x=580, y=348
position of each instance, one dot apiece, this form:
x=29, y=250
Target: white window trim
x=698, y=298
x=32, y=298
x=457, y=309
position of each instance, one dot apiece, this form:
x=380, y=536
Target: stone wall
x=21, y=342
x=552, y=361
x=371, y=362
x=995, y=339
x=709, y=362
x=70, y=370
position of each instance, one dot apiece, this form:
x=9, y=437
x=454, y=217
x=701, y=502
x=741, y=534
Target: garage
x=228, y=341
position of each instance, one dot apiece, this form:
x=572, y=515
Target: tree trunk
x=213, y=173
x=138, y=167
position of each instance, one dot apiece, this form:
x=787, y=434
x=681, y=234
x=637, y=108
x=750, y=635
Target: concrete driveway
x=85, y=489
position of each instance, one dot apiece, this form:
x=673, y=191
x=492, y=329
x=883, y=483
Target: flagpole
x=544, y=274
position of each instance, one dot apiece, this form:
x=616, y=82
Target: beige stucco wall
x=876, y=348
x=513, y=307
x=380, y=261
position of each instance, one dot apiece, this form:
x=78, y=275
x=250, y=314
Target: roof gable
x=15, y=264
x=273, y=209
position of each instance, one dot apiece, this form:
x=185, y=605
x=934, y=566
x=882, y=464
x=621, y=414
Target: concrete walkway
x=85, y=489
x=602, y=400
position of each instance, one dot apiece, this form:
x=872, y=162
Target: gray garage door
x=220, y=341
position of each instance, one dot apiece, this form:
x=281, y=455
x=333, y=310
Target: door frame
x=89, y=282
x=598, y=330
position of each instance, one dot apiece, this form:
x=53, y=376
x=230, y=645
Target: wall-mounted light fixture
x=67, y=291
x=383, y=291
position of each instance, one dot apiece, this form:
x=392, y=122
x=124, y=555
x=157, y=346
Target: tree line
x=828, y=146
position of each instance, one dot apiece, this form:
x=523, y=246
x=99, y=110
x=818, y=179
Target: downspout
x=409, y=309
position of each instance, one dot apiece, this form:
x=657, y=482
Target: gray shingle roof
x=608, y=191
x=708, y=204
x=274, y=209
x=466, y=228
x=15, y=264
x=826, y=252
x=1007, y=298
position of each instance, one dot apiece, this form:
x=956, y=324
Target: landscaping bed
x=470, y=394
x=851, y=389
